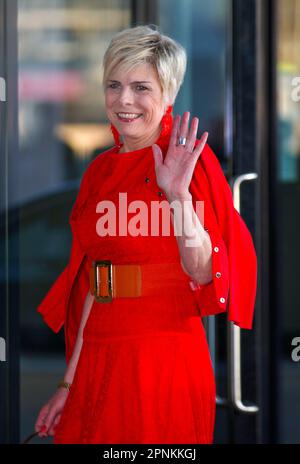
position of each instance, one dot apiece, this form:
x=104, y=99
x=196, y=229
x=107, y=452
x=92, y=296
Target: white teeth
x=128, y=115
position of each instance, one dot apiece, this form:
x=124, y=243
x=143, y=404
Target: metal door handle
x=234, y=332
x=210, y=328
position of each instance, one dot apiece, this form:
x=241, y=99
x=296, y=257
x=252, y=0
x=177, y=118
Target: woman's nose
x=126, y=96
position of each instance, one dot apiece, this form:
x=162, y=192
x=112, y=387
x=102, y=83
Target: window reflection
x=61, y=112
x=61, y=106
x=62, y=127
x=202, y=28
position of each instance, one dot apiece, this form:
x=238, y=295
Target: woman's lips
x=128, y=119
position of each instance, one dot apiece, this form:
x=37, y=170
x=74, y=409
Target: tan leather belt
x=108, y=281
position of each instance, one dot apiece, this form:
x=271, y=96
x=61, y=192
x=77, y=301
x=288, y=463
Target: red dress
x=144, y=373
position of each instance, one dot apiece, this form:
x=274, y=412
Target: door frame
x=9, y=314
x=268, y=345
x=255, y=149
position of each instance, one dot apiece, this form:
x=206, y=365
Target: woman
x=138, y=363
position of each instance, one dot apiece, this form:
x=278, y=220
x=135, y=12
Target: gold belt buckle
x=98, y=297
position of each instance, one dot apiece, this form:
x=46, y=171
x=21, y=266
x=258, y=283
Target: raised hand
x=175, y=172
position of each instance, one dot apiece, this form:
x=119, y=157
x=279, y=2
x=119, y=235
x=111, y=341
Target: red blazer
x=234, y=263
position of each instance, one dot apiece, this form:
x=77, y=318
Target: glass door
x=287, y=184
x=62, y=127
x=58, y=47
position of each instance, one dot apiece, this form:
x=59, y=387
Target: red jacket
x=234, y=264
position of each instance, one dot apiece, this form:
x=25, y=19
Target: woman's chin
x=127, y=131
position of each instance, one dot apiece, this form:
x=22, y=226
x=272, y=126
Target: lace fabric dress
x=144, y=373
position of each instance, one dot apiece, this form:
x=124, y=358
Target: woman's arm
x=69, y=374
x=195, y=249
x=50, y=414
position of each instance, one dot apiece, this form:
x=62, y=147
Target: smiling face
x=134, y=104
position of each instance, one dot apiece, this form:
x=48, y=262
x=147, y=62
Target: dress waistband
x=109, y=280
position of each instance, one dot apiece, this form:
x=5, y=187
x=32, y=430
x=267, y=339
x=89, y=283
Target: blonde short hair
x=143, y=44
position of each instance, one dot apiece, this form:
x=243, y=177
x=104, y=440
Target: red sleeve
x=53, y=306
x=234, y=266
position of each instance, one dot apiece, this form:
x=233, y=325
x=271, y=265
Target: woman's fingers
x=201, y=144
x=55, y=423
x=181, y=129
x=190, y=143
x=41, y=417
x=174, y=133
x=184, y=129
x=50, y=419
x=45, y=419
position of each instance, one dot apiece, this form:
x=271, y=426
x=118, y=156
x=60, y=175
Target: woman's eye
x=114, y=85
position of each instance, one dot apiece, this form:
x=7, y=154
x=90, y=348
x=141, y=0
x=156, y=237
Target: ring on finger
x=182, y=141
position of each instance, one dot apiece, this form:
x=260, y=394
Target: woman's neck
x=132, y=145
